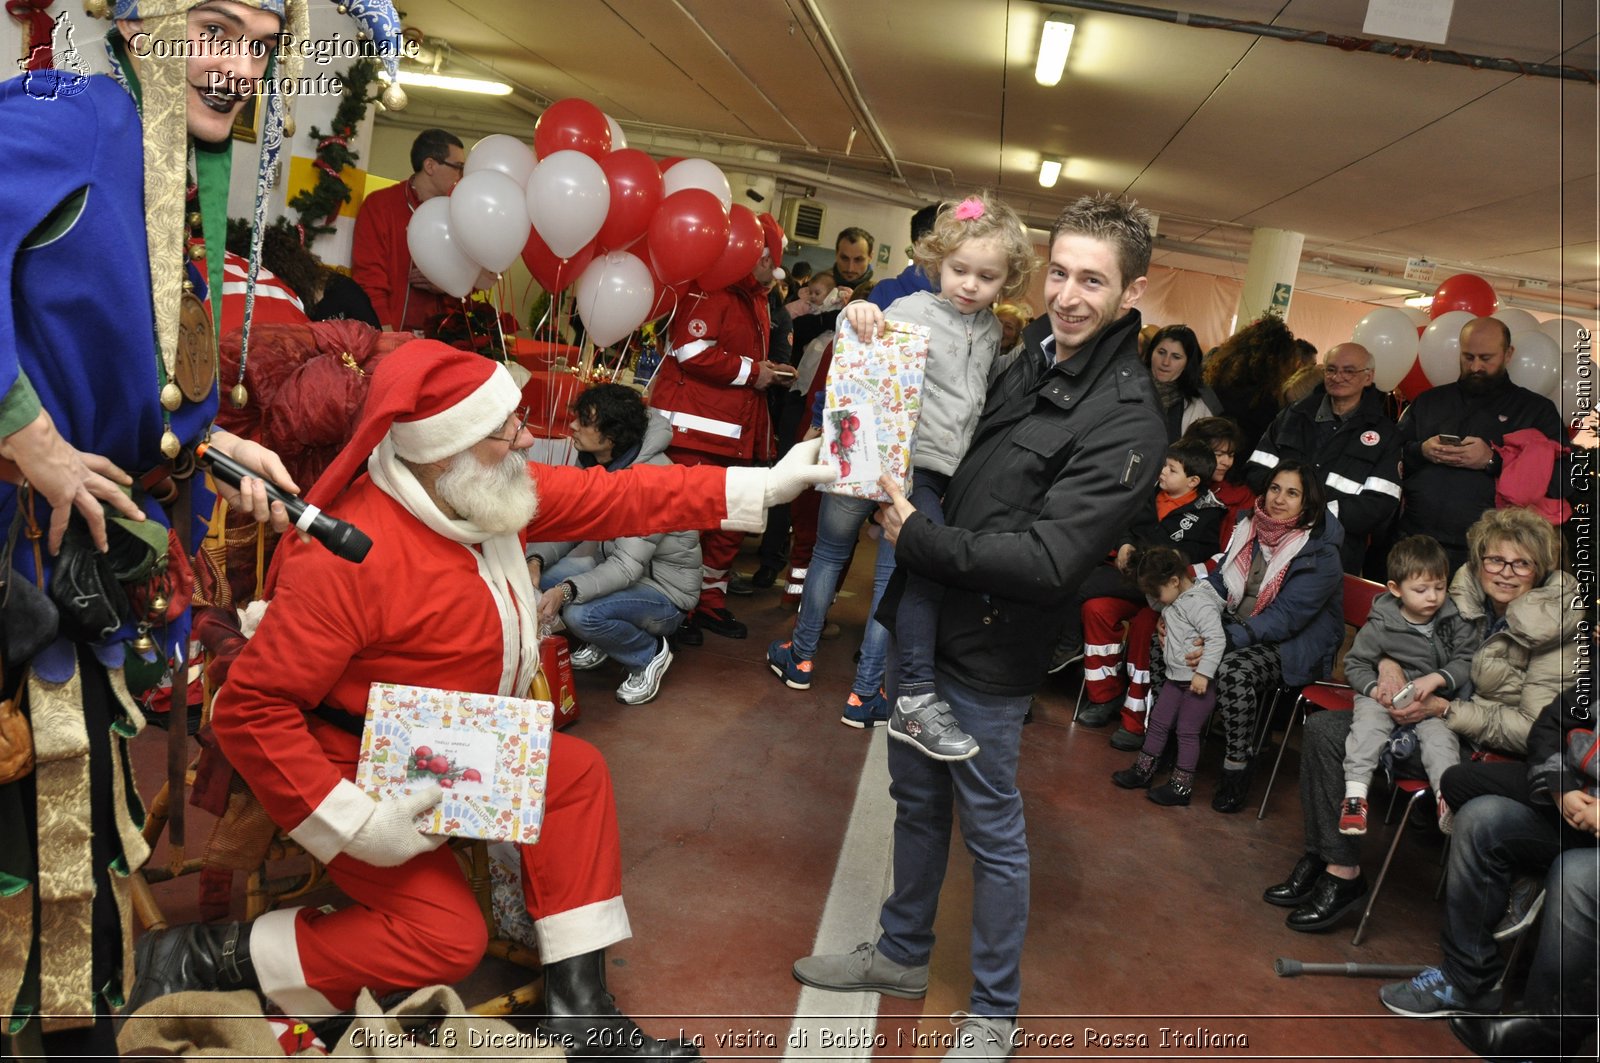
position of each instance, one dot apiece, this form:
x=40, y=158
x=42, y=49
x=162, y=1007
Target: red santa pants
x=1136, y=706
x=718, y=548
x=419, y=924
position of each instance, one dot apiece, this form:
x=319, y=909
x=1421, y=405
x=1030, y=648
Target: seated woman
x=1284, y=585
x=1513, y=587
x=1173, y=358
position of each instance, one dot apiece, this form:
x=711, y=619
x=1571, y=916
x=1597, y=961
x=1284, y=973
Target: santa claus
x=442, y=600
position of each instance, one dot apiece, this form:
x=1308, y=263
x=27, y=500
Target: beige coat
x=1523, y=668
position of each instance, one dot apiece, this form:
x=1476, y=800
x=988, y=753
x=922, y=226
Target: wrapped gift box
x=874, y=392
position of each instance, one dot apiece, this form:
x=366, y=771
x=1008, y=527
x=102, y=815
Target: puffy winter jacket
x=668, y=561
x=1519, y=669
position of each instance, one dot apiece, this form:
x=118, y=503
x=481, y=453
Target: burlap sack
x=201, y=1024
x=409, y=1031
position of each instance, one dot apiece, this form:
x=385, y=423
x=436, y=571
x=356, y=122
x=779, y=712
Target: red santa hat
x=772, y=233
x=431, y=401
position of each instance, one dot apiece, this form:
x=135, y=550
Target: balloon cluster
x=582, y=207
x=1412, y=351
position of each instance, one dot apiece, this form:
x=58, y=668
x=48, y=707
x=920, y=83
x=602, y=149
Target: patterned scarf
x=1280, y=540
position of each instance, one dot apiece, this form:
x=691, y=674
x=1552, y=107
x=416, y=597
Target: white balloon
x=1577, y=396
x=485, y=281
x=1439, y=350
x=619, y=139
x=1568, y=335
x=497, y=151
x=1536, y=363
x=568, y=198
x=489, y=218
x=697, y=173
x=1419, y=317
x=435, y=251
x=1392, y=340
x=614, y=294
x=1516, y=320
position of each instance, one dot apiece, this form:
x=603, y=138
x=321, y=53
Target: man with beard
x=1449, y=433
x=437, y=474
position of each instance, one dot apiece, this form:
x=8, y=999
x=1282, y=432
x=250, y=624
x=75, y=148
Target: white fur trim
x=453, y=430
x=275, y=955
x=746, y=490
x=250, y=617
x=580, y=930
x=332, y=824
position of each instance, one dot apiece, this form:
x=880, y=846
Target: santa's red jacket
x=705, y=383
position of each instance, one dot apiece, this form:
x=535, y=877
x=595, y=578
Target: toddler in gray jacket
x=1417, y=626
x=1191, y=609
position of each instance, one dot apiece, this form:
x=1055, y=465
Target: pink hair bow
x=969, y=208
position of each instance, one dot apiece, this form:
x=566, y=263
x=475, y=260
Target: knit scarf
x=1169, y=394
x=1280, y=540
x=500, y=561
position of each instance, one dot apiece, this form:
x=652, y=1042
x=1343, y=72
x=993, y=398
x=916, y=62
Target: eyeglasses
x=1495, y=564
x=1342, y=372
x=522, y=417
x=458, y=167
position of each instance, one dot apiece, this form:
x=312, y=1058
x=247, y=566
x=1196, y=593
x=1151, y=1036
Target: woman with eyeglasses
x=1173, y=357
x=1513, y=587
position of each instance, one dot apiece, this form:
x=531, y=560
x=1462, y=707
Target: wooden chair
x=1332, y=695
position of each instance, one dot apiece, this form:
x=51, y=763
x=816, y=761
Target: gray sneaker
x=924, y=721
x=985, y=1037
x=1431, y=996
x=645, y=684
x=863, y=971
x=1522, y=906
x=588, y=656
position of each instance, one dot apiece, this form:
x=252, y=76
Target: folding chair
x=1359, y=594
x=1416, y=789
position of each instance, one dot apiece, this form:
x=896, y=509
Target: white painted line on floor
x=840, y=1026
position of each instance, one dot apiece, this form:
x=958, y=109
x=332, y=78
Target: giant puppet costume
x=103, y=337
x=707, y=388
x=461, y=615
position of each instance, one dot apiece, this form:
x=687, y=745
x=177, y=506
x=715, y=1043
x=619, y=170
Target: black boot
x=210, y=956
x=1175, y=791
x=583, y=1015
x=1138, y=776
x=1234, y=789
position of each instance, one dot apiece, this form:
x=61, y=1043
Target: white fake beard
x=498, y=498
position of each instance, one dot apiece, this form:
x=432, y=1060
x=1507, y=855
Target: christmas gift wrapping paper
x=874, y=392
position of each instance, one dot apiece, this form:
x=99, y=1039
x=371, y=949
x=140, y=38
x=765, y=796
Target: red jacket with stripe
x=705, y=384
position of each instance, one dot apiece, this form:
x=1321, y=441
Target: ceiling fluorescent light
x=453, y=84
x=1049, y=171
x=1421, y=302
x=1054, y=42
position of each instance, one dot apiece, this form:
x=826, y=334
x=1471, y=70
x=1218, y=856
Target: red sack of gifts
x=555, y=673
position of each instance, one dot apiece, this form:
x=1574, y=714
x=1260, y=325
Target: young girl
x=1192, y=610
x=977, y=253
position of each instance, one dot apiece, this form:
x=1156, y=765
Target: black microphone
x=344, y=540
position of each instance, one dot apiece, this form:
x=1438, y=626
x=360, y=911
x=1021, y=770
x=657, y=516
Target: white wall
x=890, y=226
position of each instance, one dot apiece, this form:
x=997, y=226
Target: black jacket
x=1444, y=501
x=1359, y=465
x=1551, y=772
x=1064, y=457
x=1194, y=529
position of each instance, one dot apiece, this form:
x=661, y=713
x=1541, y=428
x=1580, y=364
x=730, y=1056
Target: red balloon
x=635, y=195
x=1415, y=383
x=667, y=298
x=572, y=124
x=687, y=234
x=1465, y=291
x=669, y=162
x=553, y=274
x=746, y=242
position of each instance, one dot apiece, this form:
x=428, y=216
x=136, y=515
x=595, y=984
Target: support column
x=1269, y=275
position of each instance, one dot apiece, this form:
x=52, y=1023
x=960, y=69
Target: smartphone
x=1406, y=695
x=1450, y=440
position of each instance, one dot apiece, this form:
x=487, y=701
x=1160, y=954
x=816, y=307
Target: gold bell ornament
x=142, y=642
x=394, y=97
x=239, y=396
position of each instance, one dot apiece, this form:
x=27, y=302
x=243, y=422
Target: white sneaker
x=645, y=684
x=588, y=656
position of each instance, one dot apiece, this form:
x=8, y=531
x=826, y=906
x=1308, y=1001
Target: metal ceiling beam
x=1420, y=52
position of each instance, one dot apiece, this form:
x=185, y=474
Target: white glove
x=799, y=469
x=390, y=837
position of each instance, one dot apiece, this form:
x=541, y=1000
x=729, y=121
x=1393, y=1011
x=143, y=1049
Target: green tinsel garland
x=319, y=205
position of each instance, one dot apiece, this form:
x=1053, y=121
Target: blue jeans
x=838, y=526
x=627, y=625
x=916, y=619
x=928, y=794
x=1563, y=974
x=1495, y=838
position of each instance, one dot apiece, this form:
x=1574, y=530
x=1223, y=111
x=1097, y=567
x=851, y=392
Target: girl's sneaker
x=865, y=712
x=924, y=721
x=795, y=673
x=1353, y=816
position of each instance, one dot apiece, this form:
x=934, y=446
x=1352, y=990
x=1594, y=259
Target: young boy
x=1184, y=515
x=1417, y=626
x=1192, y=610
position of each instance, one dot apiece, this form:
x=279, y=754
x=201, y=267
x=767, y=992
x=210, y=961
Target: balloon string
x=499, y=326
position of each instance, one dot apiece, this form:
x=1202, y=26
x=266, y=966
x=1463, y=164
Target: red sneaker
x=1353, y=816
